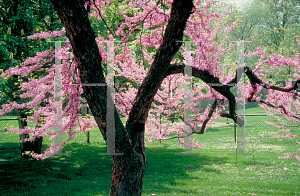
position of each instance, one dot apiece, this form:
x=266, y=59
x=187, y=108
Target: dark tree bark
x=31, y=146
x=24, y=146
x=128, y=170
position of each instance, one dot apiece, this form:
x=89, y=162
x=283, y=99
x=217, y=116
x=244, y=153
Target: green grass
x=214, y=172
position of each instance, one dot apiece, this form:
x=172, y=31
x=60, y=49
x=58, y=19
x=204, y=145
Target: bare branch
x=187, y=123
x=175, y=137
x=99, y=12
x=280, y=106
x=141, y=21
x=255, y=80
x=213, y=107
x=201, y=131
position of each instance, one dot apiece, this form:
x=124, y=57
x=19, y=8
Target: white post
x=187, y=97
x=57, y=94
x=110, y=116
x=187, y=101
x=240, y=104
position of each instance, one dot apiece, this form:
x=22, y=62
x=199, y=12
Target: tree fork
x=128, y=170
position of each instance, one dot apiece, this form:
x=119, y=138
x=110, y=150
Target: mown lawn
x=213, y=172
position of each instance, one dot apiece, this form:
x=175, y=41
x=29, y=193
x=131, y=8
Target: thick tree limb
x=78, y=29
x=180, y=12
x=255, y=80
x=128, y=170
x=225, y=90
x=207, y=78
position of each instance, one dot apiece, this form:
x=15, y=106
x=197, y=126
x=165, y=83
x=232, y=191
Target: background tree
x=18, y=20
x=272, y=25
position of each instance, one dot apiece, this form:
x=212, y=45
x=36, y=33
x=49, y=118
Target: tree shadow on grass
x=168, y=173
x=84, y=172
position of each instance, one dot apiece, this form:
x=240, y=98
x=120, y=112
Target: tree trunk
x=128, y=169
x=29, y=146
x=38, y=141
x=127, y=179
x=34, y=146
x=24, y=146
x=128, y=172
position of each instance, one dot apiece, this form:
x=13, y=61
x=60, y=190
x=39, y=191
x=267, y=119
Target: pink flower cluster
x=46, y=35
x=169, y=97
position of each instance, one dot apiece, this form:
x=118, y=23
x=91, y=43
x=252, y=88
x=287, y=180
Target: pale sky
x=237, y=2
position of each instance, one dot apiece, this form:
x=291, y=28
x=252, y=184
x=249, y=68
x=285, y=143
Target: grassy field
x=213, y=172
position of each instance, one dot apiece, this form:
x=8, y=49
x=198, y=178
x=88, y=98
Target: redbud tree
x=143, y=28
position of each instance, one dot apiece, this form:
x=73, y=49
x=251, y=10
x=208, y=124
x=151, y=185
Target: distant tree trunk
x=37, y=143
x=31, y=146
x=24, y=146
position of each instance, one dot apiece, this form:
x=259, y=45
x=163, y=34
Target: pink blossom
x=207, y=56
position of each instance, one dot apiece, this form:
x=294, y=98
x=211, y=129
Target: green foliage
x=204, y=91
x=175, y=116
x=20, y=19
x=271, y=24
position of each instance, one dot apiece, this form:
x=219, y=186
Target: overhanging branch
x=280, y=106
x=223, y=89
x=255, y=80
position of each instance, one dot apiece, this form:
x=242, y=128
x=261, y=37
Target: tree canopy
x=151, y=56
